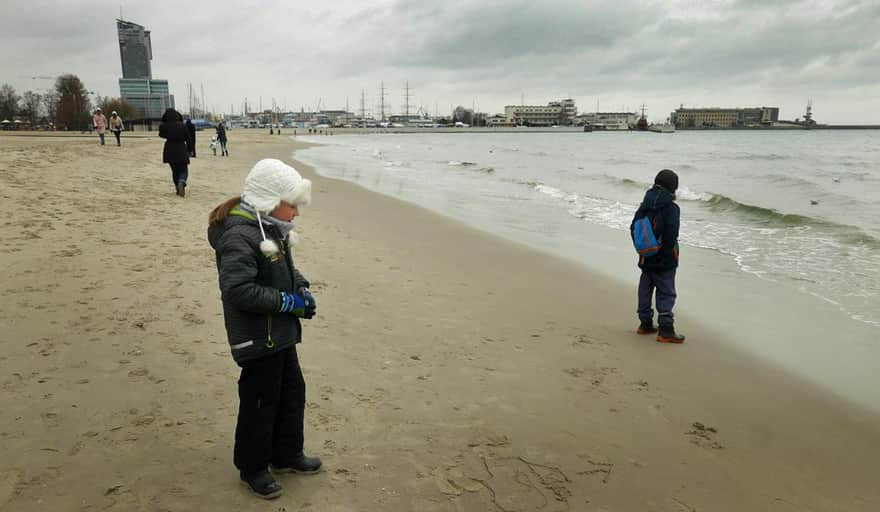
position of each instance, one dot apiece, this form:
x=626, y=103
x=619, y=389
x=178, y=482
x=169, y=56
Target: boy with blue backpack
x=654, y=231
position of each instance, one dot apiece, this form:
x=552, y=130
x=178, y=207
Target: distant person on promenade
x=175, y=152
x=221, y=137
x=99, y=122
x=116, y=126
x=657, y=219
x=191, y=140
x=264, y=297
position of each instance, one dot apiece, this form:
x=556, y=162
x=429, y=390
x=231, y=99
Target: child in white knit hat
x=264, y=298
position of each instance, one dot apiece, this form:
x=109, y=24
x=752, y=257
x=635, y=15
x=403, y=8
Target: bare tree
x=50, y=106
x=31, y=107
x=122, y=108
x=73, y=108
x=8, y=102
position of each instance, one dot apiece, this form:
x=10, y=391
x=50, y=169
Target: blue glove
x=295, y=304
x=309, y=298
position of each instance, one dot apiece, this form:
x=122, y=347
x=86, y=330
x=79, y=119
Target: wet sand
x=447, y=369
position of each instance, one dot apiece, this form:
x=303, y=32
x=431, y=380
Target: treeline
x=66, y=107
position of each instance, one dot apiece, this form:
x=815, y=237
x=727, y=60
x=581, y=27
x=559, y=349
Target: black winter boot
x=262, y=484
x=668, y=335
x=300, y=464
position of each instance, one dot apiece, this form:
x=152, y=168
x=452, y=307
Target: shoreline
x=767, y=318
x=448, y=369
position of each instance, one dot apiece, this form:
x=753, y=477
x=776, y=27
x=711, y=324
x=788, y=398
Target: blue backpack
x=644, y=241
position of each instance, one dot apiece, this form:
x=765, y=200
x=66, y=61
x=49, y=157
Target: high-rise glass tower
x=135, y=49
x=137, y=87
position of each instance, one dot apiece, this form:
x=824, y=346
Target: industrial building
x=724, y=117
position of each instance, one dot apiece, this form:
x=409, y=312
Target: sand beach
x=447, y=369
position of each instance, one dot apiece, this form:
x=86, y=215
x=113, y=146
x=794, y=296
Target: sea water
x=795, y=213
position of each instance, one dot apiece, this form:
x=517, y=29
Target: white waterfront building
x=609, y=120
x=560, y=112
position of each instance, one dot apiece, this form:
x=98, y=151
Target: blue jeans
x=664, y=284
x=101, y=136
x=179, y=173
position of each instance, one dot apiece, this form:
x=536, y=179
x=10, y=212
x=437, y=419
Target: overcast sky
x=486, y=53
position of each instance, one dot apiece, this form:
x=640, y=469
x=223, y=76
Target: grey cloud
x=472, y=35
x=457, y=51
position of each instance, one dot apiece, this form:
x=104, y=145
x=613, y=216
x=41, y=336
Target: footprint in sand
x=574, y=372
x=583, y=340
x=50, y=418
x=10, y=483
x=192, y=318
x=138, y=372
x=704, y=436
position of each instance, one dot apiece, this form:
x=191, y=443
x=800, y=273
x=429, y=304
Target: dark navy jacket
x=250, y=286
x=659, y=206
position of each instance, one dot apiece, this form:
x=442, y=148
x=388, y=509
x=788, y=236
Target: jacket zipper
x=269, y=341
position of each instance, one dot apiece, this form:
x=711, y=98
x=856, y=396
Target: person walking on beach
x=658, y=270
x=99, y=122
x=191, y=137
x=264, y=296
x=116, y=126
x=175, y=152
x=221, y=137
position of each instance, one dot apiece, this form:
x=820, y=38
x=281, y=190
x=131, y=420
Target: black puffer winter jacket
x=250, y=286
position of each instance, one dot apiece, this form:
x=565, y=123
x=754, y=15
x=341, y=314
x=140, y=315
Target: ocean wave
x=757, y=156
x=764, y=220
x=472, y=166
x=687, y=194
x=758, y=214
x=629, y=183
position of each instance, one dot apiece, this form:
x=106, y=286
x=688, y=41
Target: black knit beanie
x=668, y=180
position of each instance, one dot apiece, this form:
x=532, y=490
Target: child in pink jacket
x=100, y=124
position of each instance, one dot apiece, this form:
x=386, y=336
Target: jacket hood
x=216, y=232
x=657, y=198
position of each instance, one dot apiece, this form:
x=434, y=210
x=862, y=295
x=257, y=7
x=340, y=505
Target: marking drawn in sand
x=511, y=483
x=517, y=484
x=598, y=468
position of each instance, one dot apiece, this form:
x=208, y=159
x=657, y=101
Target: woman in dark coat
x=191, y=141
x=175, y=153
x=221, y=136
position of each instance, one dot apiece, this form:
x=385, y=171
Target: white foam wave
x=687, y=194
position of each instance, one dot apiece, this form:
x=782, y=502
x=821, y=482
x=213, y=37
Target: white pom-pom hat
x=272, y=181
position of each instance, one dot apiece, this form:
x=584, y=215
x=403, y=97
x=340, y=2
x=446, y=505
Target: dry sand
x=447, y=369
